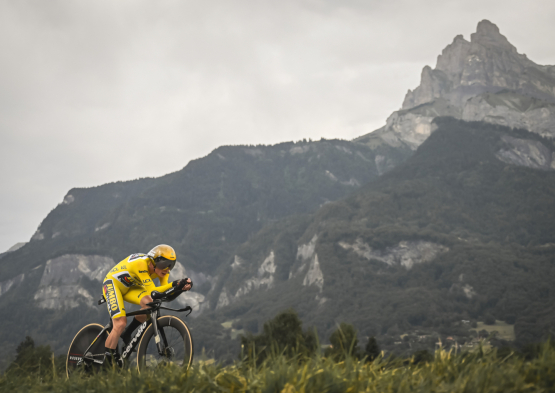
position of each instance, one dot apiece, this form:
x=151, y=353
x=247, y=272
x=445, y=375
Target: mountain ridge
x=485, y=79
x=205, y=211
x=441, y=228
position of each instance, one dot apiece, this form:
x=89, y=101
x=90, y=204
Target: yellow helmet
x=163, y=257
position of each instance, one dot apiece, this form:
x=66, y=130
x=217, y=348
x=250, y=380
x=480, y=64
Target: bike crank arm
x=84, y=358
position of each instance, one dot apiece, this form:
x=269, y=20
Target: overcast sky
x=98, y=91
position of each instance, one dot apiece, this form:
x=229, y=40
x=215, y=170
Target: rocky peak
x=451, y=59
x=484, y=79
x=488, y=63
x=488, y=35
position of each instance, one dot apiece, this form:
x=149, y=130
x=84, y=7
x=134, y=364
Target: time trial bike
x=161, y=340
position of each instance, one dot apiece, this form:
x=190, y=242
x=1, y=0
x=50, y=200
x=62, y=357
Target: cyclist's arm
x=141, y=273
x=149, y=285
x=164, y=280
x=182, y=284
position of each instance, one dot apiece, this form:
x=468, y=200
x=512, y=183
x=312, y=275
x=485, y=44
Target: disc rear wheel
x=92, y=360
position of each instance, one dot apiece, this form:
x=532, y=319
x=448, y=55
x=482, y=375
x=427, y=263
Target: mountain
x=425, y=223
x=205, y=211
x=485, y=79
x=457, y=232
x=12, y=248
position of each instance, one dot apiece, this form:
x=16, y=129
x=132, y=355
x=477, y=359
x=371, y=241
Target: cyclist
x=131, y=280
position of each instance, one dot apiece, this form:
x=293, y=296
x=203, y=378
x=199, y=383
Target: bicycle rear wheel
x=93, y=359
x=177, y=340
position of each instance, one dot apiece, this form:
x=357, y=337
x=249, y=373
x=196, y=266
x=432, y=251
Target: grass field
x=478, y=371
x=504, y=330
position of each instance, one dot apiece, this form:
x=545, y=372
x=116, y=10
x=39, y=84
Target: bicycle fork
x=161, y=344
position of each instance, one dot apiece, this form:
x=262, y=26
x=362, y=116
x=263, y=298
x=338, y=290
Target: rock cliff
x=485, y=79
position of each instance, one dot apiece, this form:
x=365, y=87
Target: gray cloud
x=99, y=91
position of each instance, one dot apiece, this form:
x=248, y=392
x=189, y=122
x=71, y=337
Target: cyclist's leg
x=116, y=309
x=133, y=295
x=141, y=297
x=119, y=326
x=144, y=300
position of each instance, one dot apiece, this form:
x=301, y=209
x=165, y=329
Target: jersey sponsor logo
x=143, y=271
x=126, y=279
x=111, y=298
x=114, y=270
x=135, y=256
x=147, y=281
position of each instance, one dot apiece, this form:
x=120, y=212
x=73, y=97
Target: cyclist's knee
x=119, y=324
x=145, y=299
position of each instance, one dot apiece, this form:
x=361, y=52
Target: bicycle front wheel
x=176, y=339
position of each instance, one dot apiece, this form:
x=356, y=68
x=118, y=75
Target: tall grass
x=479, y=371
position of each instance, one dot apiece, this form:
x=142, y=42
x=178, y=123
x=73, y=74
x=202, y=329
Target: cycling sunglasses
x=164, y=264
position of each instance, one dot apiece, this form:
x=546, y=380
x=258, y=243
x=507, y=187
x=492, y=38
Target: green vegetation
x=285, y=359
x=495, y=221
x=372, y=350
x=344, y=343
x=205, y=211
x=446, y=371
x=499, y=329
x=493, y=224
x=38, y=361
x=283, y=335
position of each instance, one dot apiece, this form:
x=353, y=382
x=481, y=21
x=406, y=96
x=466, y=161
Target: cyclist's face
x=160, y=272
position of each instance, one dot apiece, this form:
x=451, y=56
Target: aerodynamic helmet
x=163, y=257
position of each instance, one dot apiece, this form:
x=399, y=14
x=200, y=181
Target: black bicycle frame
x=154, y=312
x=140, y=330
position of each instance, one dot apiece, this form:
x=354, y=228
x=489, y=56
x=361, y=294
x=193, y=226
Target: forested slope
x=452, y=234
x=205, y=211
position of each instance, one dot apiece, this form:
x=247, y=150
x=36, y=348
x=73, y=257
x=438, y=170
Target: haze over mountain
x=426, y=222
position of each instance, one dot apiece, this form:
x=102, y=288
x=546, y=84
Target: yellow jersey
x=129, y=280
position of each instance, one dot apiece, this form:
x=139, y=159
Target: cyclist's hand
x=184, y=284
x=188, y=284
